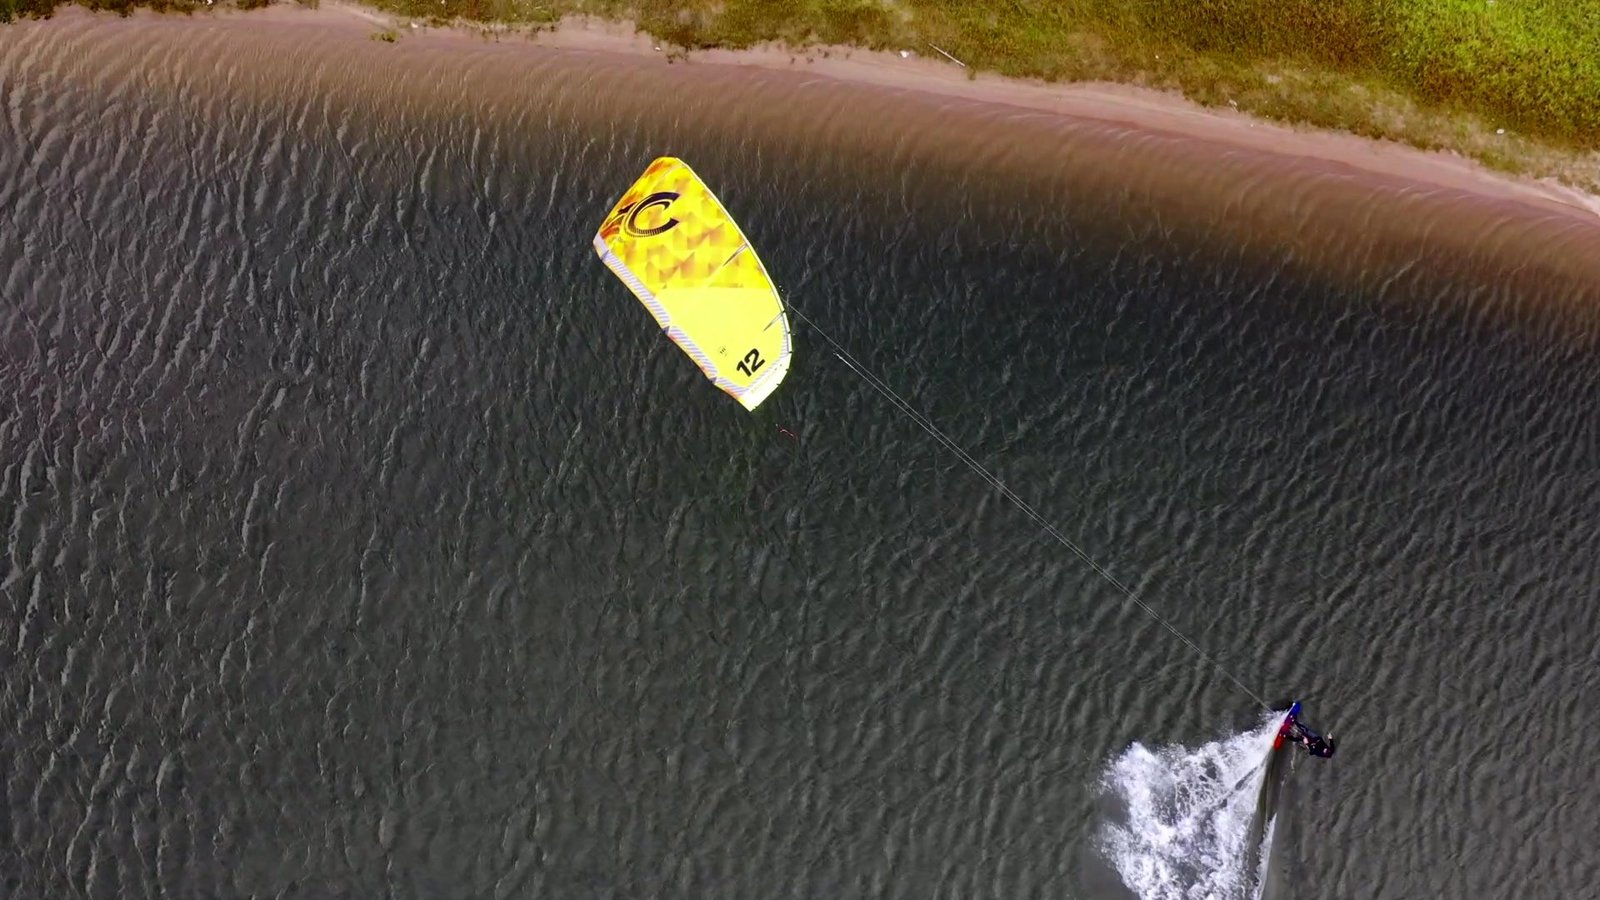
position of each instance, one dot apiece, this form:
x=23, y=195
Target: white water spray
x=1186, y=816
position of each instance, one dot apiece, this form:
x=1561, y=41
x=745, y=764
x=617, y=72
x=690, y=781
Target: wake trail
x=1194, y=823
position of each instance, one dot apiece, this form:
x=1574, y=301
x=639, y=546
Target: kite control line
x=911, y=412
x=676, y=248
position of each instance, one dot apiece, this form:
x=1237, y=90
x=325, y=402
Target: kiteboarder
x=1315, y=744
x=1304, y=735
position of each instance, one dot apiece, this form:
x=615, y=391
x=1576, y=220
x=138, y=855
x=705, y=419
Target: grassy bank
x=1514, y=83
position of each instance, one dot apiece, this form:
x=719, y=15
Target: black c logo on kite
x=662, y=199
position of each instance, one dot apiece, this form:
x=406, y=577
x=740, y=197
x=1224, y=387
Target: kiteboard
x=1287, y=726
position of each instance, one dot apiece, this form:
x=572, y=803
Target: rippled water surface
x=363, y=538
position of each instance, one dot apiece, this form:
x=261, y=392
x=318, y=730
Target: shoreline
x=1108, y=103
x=1331, y=202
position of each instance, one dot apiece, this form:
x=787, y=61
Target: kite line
x=659, y=239
x=978, y=468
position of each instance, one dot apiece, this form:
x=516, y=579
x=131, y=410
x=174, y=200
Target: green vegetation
x=1445, y=74
x=1535, y=63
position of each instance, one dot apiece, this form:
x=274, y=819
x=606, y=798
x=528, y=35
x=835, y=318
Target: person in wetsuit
x=1315, y=744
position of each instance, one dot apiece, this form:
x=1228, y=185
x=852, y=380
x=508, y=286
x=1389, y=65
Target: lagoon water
x=364, y=539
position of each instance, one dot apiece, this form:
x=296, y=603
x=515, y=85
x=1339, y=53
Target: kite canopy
x=681, y=254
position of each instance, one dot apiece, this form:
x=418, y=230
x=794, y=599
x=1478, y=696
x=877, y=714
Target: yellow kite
x=681, y=254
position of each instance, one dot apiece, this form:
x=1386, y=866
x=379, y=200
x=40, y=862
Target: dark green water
x=364, y=539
